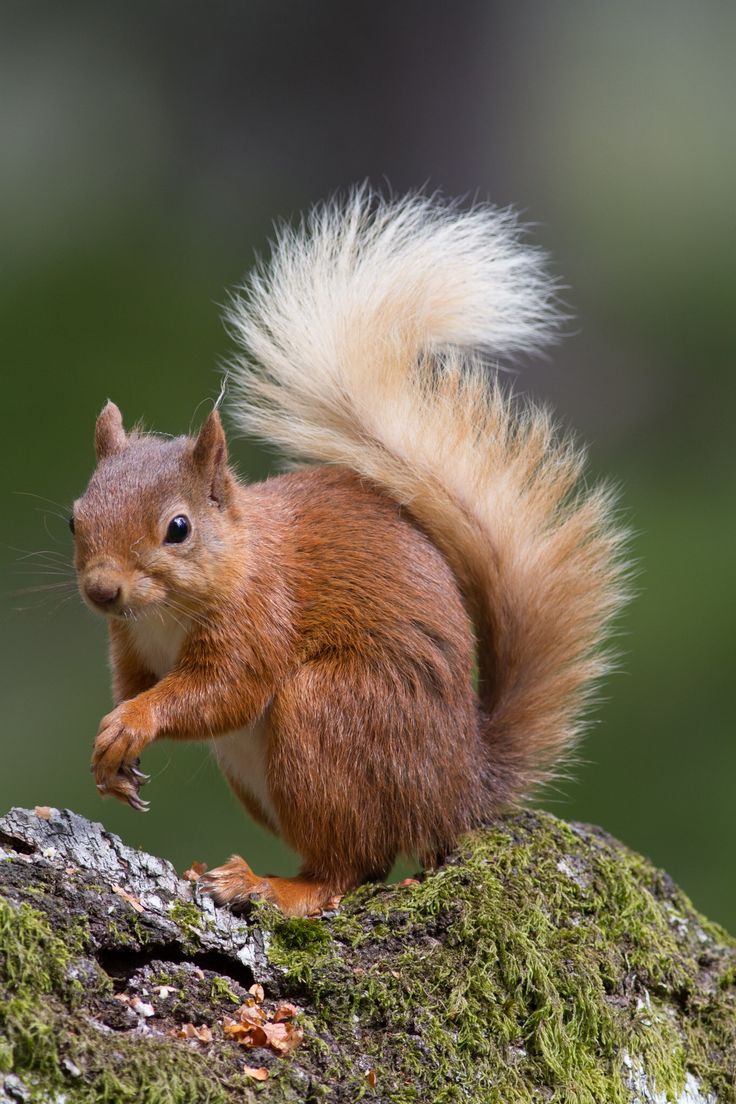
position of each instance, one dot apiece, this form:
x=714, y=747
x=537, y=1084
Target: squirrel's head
x=155, y=523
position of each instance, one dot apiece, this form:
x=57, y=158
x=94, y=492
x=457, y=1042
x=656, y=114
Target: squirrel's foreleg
x=188, y=704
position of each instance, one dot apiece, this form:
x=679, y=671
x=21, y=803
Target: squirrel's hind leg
x=234, y=884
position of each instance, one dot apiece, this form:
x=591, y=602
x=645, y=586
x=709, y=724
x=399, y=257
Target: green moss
x=191, y=921
x=147, y=1071
x=34, y=962
x=301, y=935
x=299, y=946
x=186, y=915
x=220, y=991
x=124, y=937
x=538, y=958
x=162, y=977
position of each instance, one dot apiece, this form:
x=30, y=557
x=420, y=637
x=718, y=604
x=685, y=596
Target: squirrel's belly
x=241, y=756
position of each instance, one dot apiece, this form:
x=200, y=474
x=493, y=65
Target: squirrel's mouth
x=127, y=611
x=112, y=609
x=118, y=611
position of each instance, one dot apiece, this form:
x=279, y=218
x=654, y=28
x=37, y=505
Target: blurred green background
x=145, y=151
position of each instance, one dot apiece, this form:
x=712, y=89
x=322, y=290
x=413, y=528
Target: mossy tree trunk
x=543, y=962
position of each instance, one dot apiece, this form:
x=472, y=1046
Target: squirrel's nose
x=102, y=593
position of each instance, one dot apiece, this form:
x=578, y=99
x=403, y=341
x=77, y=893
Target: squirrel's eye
x=178, y=530
x=71, y=523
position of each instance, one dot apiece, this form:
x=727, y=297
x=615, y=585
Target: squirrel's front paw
x=122, y=736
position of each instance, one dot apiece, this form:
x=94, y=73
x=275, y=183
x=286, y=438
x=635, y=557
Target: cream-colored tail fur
x=366, y=343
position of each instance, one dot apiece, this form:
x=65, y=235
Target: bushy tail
x=366, y=342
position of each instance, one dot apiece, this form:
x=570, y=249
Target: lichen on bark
x=543, y=961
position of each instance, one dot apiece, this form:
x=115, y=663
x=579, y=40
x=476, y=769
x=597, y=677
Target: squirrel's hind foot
x=234, y=884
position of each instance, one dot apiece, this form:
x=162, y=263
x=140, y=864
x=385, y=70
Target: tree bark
x=543, y=962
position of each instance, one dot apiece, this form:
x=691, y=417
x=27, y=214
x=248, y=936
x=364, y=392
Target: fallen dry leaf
x=252, y=1026
x=260, y=1074
x=252, y=1013
x=283, y=1037
x=127, y=897
x=284, y=1012
x=195, y=871
x=202, y=1034
x=371, y=1078
x=43, y=811
x=246, y=1034
x=256, y=991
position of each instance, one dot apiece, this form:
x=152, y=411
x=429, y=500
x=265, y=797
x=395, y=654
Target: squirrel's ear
x=210, y=459
x=109, y=432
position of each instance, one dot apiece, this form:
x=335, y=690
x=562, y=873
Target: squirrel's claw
x=126, y=786
x=139, y=775
x=132, y=780
x=133, y=772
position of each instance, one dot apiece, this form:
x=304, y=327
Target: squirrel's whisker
x=55, y=609
x=49, y=534
x=27, y=555
x=70, y=585
x=44, y=569
x=42, y=498
x=51, y=513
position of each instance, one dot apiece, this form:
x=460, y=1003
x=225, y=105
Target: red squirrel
x=387, y=647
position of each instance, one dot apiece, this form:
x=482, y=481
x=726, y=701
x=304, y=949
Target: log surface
x=543, y=962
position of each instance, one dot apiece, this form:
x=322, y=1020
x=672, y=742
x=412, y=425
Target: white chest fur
x=242, y=759
x=158, y=639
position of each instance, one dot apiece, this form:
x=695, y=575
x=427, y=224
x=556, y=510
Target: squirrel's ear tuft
x=210, y=459
x=109, y=432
